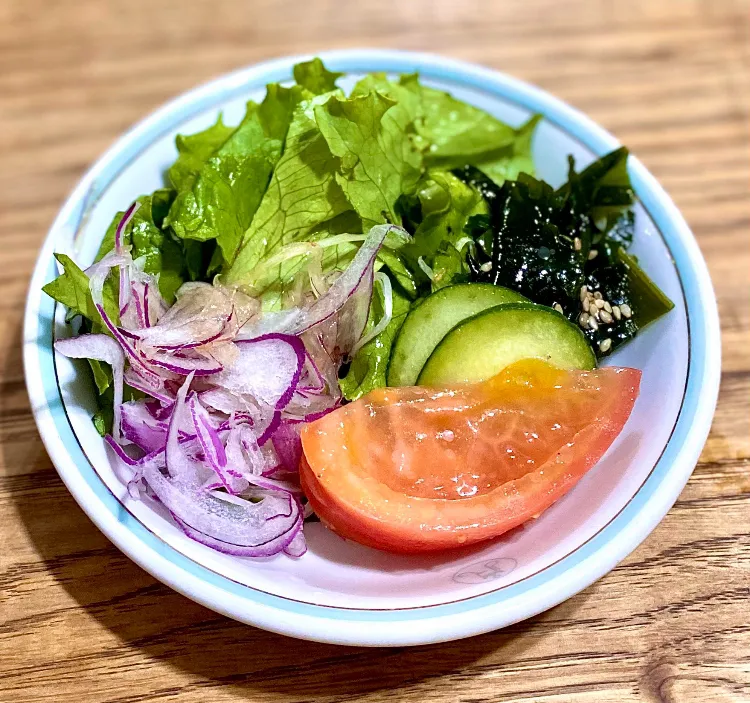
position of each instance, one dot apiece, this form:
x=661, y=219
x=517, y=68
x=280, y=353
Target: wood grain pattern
x=80, y=622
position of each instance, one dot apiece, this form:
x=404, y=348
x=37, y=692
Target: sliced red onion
x=312, y=378
x=247, y=463
x=263, y=418
x=102, y=348
x=240, y=418
x=183, y=365
x=208, y=436
x=141, y=428
x=262, y=457
x=286, y=441
x=144, y=304
x=327, y=367
x=385, y=284
x=245, y=392
x=147, y=301
x=233, y=485
x=267, y=368
x=99, y=271
x=179, y=463
x=157, y=458
x=246, y=456
x=273, y=484
x=272, y=547
x=124, y=291
x=298, y=546
x=237, y=463
x=228, y=403
x=140, y=306
x=125, y=294
x=198, y=317
x=134, y=358
x=310, y=416
x=128, y=334
x=252, y=529
x=267, y=432
x=283, y=322
x=140, y=383
x=309, y=404
x=154, y=305
x=155, y=408
x=349, y=296
x=124, y=222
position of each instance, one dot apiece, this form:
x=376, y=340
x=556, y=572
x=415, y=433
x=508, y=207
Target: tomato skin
x=350, y=491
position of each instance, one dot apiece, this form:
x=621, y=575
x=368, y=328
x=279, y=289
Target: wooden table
x=79, y=622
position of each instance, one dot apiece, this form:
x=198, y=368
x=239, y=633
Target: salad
x=363, y=309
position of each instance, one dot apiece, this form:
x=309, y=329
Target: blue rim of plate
x=702, y=379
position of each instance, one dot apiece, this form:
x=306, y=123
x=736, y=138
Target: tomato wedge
x=419, y=469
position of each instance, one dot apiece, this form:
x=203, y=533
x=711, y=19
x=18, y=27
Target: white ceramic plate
x=342, y=592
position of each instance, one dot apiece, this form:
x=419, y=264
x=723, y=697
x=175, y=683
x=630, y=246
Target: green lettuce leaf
x=302, y=196
x=315, y=77
x=370, y=365
x=378, y=162
x=200, y=258
x=227, y=189
x=71, y=289
x=102, y=420
x=406, y=92
x=448, y=267
x=447, y=203
x=453, y=133
x=457, y=131
x=102, y=374
x=400, y=272
x=194, y=150
x=507, y=163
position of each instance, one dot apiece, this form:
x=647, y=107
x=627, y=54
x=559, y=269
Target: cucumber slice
x=480, y=347
x=433, y=318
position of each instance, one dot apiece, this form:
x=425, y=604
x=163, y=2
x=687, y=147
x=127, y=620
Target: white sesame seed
x=486, y=267
x=584, y=292
x=577, y=244
x=593, y=253
x=605, y=345
x=616, y=312
x=558, y=307
x=593, y=324
x=586, y=304
x=598, y=295
x=625, y=310
x=583, y=319
x=599, y=303
x=607, y=306
x=605, y=316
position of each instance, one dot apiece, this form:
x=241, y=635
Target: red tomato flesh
x=420, y=469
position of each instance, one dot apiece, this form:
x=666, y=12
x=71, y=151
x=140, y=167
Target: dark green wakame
x=547, y=244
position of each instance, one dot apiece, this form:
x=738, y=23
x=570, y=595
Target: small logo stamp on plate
x=483, y=571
